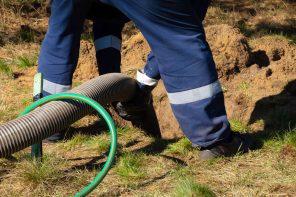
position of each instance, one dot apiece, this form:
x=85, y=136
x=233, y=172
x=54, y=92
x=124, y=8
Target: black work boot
x=140, y=111
x=240, y=143
x=57, y=137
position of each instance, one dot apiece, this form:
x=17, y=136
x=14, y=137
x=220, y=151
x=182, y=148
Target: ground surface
x=253, y=43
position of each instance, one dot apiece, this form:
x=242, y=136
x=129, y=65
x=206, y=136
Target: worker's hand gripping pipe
x=104, y=114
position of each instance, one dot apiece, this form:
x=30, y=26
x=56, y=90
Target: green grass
x=26, y=101
x=244, y=86
x=102, y=145
x=77, y=140
x=186, y=186
x=290, y=137
x=239, y=126
x=181, y=172
x=126, y=133
x=99, y=143
x=5, y=69
x=280, y=139
x=26, y=62
x=122, y=130
x=131, y=166
x=34, y=172
x=182, y=147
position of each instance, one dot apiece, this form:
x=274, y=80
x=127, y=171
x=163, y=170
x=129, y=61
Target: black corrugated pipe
x=57, y=115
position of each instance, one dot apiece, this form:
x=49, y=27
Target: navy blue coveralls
x=60, y=49
x=181, y=57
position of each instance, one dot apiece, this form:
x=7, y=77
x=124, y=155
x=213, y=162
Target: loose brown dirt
x=251, y=75
x=230, y=49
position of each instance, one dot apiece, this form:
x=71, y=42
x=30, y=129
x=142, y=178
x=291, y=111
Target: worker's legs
x=60, y=48
x=140, y=110
x=149, y=75
x=107, y=39
x=108, y=23
x=176, y=36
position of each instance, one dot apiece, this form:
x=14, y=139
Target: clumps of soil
x=271, y=72
x=229, y=47
x=274, y=50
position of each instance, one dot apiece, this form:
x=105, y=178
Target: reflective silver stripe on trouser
x=54, y=88
x=108, y=42
x=144, y=79
x=196, y=94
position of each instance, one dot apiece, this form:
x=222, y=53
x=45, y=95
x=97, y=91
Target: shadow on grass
x=236, y=6
x=27, y=34
x=268, y=28
x=156, y=147
x=97, y=128
x=278, y=113
x=252, y=7
x=94, y=163
x=249, y=9
x=3, y=172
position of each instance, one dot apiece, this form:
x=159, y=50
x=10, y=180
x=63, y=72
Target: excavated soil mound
x=255, y=79
x=229, y=47
x=266, y=88
x=276, y=50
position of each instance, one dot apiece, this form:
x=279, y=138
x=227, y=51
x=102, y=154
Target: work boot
x=239, y=144
x=140, y=111
x=57, y=137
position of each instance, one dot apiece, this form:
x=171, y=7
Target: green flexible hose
x=105, y=116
